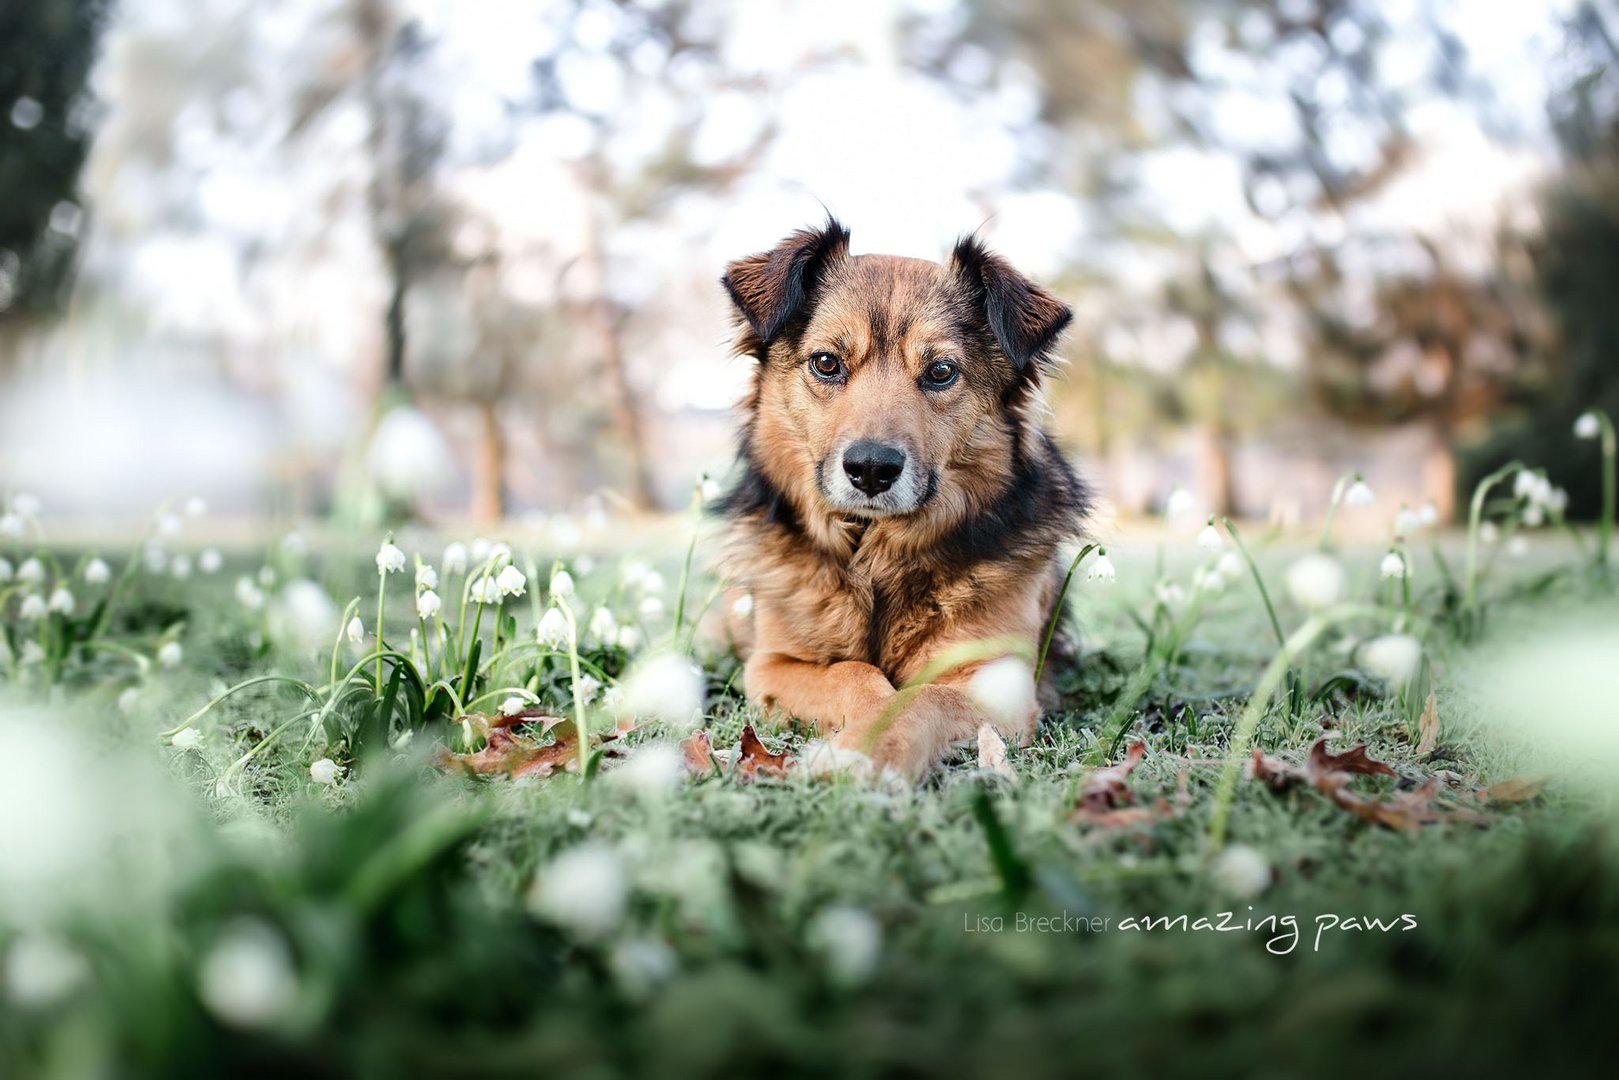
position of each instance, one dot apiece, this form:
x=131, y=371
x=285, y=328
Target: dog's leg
x=829, y=696
x=916, y=734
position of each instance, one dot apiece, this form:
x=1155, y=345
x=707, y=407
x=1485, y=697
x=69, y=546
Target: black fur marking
x=1044, y=504
x=1025, y=319
x=770, y=289
x=755, y=494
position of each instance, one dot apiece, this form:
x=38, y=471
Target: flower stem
x=691, y=548
x=1332, y=509
x=382, y=592
x=1057, y=609
x=1475, y=515
x=1253, y=568
x=1610, y=485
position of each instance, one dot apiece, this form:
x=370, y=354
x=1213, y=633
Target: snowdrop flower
x=485, y=591
x=499, y=551
x=247, y=979
x=31, y=572
x=1488, y=532
x=584, y=890
x=1101, y=568
x=32, y=607
x=1240, y=871
x=1169, y=594
x=1518, y=547
x=26, y=504
x=513, y=705
x=1393, y=657
x=187, y=739
x=210, y=561
x=41, y=970
x=196, y=506
x=1529, y=485
x=849, y=941
x=11, y=525
x=561, y=585
x=1210, y=581
x=1587, y=426
x=742, y=606
x=650, y=607
x=390, y=559
x=455, y=558
x=1393, y=565
x=355, y=630
x=97, y=572
x=602, y=626
x=325, y=771
x=481, y=546
x=1406, y=521
x=710, y=489
x=1004, y=688
x=248, y=594
x=629, y=638
x=1534, y=515
x=32, y=653
x=62, y=601
x=651, y=772
x=129, y=700
x=553, y=628
x=169, y=525
x=666, y=686
x=181, y=567
x=1315, y=581
x=652, y=582
x=169, y=654
x=588, y=687
x=1359, y=493
x=1180, y=504
x=633, y=572
x=1209, y=538
x=1428, y=514
x=1556, y=501
x=1229, y=566
x=428, y=604
x=511, y=582
x=6, y=571
x=426, y=577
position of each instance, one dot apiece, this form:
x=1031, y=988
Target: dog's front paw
x=823, y=758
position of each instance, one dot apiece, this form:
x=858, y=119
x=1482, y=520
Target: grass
x=805, y=926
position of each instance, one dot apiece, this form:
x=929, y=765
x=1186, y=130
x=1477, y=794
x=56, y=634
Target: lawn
x=209, y=872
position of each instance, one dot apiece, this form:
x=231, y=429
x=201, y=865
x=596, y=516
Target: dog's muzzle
x=872, y=467
x=873, y=479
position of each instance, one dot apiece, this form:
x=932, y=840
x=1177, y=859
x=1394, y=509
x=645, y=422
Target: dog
x=898, y=497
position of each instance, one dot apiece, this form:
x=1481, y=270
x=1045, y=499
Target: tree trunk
x=1213, y=469
x=1439, y=469
x=488, y=467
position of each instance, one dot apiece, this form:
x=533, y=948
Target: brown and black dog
x=899, y=496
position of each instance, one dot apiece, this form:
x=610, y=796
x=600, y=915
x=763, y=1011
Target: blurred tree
x=46, y=48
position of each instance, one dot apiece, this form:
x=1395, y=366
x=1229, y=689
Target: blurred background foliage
x=424, y=259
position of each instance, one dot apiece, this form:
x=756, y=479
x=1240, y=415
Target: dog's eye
x=941, y=373
x=826, y=367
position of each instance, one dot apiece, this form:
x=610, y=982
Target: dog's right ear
x=770, y=288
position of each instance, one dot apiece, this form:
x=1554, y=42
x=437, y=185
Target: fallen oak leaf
x=755, y=760
x=1518, y=789
x=1428, y=728
x=698, y=753
x=1105, y=789
x=1274, y=773
x=992, y=753
x=1322, y=761
x=516, y=756
x=1124, y=817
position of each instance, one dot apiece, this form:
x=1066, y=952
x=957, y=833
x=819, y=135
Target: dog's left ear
x=1025, y=318
x=772, y=287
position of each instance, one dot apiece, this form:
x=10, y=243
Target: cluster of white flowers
x=1540, y=497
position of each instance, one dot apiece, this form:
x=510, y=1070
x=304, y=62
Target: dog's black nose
x=872, y=466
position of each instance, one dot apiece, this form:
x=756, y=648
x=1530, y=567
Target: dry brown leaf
x=517, y=756
x=1331, y=774
x=1354, y=760
x=1105, y=789
x=698, y=753
x=1515, y=790
x=1124, y=817
x=1428, y=728
x=1274, y=773
x=755, y=760
x=992, y=753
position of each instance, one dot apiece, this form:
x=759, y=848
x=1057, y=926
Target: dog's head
x=888, y=386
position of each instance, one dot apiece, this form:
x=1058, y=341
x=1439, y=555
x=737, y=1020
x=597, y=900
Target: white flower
x=129, y=700
x=96, y=572
x=650, y=607
x=1315, y=581
x=710, y=489
x=553, y=628
x=651, y=772
x=561, y=585
x=584, y=890
x=1101, y=568
x=169, y=525
x=247, y=979
x=1488, y=533
x=1534, y=515
x=1587, y=426
x=481, y=546
x=248, y=594
x=31, y=572
x=849, y=941
x=355, y=630
x=1556, y=501
x=325, y=771
x=155, y=557
x=1229, y=566
x=499, y=551
x=304, y=617
x=1210, y=580
x=1393, y=658
x=742, y=606
x=26, y=504
x=602, y=626
x=1180, y=504
x=455, y=558
x=629, y=638
x=426, y=577
x=32, y=653
x=6, y=572
x=62, y=601
x=1518, y=547
x=511, y=582
x=652, y=582
x=633, y=572
x=1209, y=538
x=169, y=654
x=1004, y=688
x=1359, y=494
x=1428, y=514
x=266, y=576
x=1240, y=871
x=1530, y=485
x=485, y=591
x=428, y=604
x=390, y=559
x=187, y=739
x=41, y=970
x=32, y=607
x=181, y=567
x=196, y=506
x=11, y=525
x=1169, y=594
x=1393, y=565
x=667, y=686
x=1406, y=521
x=513, y=705
x=641, y=965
